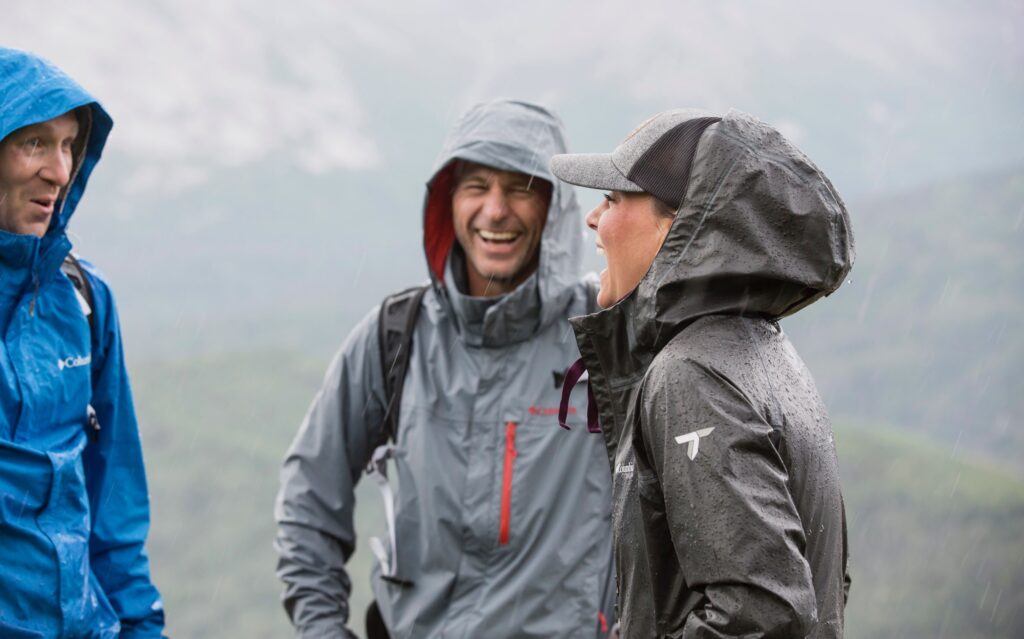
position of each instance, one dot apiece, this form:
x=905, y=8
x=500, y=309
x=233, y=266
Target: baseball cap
x=655, y=158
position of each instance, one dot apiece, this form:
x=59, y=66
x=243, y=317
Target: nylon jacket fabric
x=728, y=515
x=478, y=442
x=74, y=513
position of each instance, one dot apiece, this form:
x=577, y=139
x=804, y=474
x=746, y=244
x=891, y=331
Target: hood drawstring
x=35, y=294
x=572, y=377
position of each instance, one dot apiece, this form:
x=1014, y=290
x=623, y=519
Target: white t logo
x=692, y=440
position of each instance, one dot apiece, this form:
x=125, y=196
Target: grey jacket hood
x=761, y=232
x=512, y=136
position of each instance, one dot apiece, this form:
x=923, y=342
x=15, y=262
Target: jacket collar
x=491, y=322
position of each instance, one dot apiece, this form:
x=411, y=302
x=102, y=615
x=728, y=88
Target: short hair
x=84, y=116
x=663, y=209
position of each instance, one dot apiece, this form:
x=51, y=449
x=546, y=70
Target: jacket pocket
x=505, y=522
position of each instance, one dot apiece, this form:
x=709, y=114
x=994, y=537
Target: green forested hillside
x=918, y=356
x=927, y=332
x=936, y=539
x=924, y=335
x=936, y=536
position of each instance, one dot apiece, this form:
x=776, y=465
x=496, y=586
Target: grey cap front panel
x=609, y=171
x=591, y=170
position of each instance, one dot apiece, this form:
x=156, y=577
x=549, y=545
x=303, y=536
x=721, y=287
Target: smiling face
x=631, y=228
x=499, y=217
x=35, y=164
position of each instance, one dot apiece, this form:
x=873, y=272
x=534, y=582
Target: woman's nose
x=595, y=216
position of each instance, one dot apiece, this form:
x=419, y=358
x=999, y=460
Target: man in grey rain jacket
x=501, y=522
x=728, y=515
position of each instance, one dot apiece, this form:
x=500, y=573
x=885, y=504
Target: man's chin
x=499, y=273
x=36, y=230
x=502, y=280
x=499, y=280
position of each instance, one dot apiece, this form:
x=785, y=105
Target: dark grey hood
x=512, y=136
x=761, y=233
x=688, y=358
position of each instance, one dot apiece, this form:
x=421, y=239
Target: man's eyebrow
x=478, y=175
x=521, y=179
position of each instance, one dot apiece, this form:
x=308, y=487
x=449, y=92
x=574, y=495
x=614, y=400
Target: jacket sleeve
x=734, y=527
x=316, y=501
x=116, y=482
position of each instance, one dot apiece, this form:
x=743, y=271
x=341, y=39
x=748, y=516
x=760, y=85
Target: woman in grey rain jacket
x=727, y=512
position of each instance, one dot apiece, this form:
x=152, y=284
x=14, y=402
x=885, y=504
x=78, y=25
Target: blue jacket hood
x=33, y=90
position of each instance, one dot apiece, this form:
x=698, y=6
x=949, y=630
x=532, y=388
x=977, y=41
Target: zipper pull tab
x=93, y=424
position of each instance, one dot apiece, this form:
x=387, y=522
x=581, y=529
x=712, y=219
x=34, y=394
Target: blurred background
x=262, y=190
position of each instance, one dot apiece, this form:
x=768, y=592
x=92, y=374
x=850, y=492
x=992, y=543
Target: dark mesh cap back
x=664, y=169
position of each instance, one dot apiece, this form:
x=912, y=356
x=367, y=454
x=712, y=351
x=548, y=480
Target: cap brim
x=591, y=170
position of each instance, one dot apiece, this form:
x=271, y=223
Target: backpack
x=75, y=272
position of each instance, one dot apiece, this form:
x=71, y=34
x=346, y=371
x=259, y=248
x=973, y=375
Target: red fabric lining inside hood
x=438, y=229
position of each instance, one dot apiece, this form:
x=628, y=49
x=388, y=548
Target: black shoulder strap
x=75, y=272
x=395, y=326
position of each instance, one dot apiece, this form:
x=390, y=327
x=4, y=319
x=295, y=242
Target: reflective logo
x=623, y=469
x=692, y=440
x=74, y=362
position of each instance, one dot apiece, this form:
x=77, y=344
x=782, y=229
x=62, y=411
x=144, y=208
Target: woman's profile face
x=630, y=231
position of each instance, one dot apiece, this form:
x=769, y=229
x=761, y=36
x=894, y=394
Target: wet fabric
x=502, y=520
x=728, y=514
x=74, y=510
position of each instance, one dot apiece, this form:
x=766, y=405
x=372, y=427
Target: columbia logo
x=543, y=410
x=692, y=440
x=74, y=362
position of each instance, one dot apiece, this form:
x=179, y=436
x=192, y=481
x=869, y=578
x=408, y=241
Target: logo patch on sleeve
x=692, y=440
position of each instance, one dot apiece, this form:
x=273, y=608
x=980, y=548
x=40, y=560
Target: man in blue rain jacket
x=74, y=510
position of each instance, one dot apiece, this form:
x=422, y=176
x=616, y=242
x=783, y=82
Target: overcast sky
x=874, y=90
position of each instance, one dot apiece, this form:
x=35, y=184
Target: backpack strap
x=396, y=325
x=75, y=272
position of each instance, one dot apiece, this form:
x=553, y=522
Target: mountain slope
x=927, y=332
x=936, y=550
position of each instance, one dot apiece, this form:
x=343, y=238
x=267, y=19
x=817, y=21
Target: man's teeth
x=600, y=251
x=494, y=236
